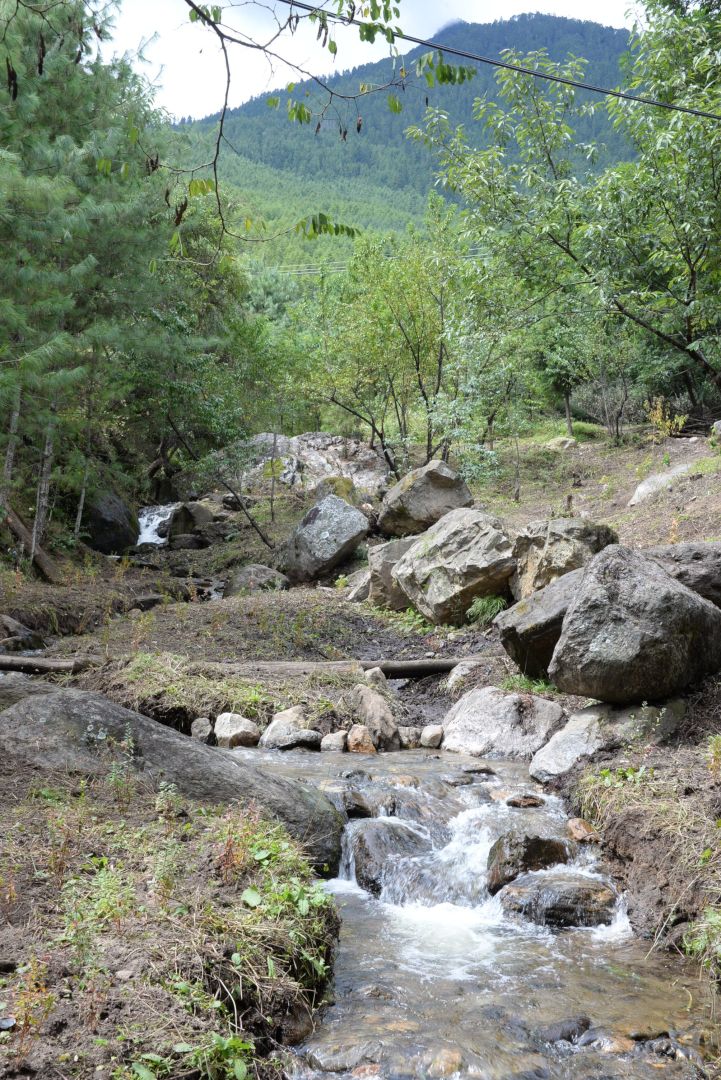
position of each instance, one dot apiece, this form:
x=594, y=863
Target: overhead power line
x=464, y=55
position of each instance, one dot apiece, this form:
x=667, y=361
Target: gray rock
x=529, y=631
x=696, y=565
x=342, y=1057
x=360, y=741
x=517, y=853
x=633, y=633
x=15, y=686
x=359, y=586
x=659, y=482
x=254, y=578
x=14, y=637
x=496, y=723
x=432, y=736
x=421, y=498
x=370, y=709
x=466, y=554
x=188, y=542
x=336, y=741
x=716, y=428
x=460, y=673
x=232, y=729
x=309, y=459
x=374, y=677
x=410, y=737
x=561, y=443
x=109, y=524
x=376, y=844
x=560, y=899
x=328, y=534
x=201, y=729
x=603, y=727
x=384, y=589
x=546, y=550
x=289, y=730
x=188, y=518
x=73, y=730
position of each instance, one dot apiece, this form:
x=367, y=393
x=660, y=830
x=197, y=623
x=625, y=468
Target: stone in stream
x=341, y=1057
x=526, y=802
x=328, y=534
x=374, y=845
x=384, y=590
x=74, y=731
x=289, y=730
x=496, y=723
x=569, y=1030
x=634, y=633
x=410, y=737
x=560, y=899
x=360, y=741
x=254, y=578
x=421, y=498
x=369, y=708
x=529, y=631
x=546, y=550
x=467, y=554
x=432, y=736
x=516, y=853
x=188, y=518
x=335, y=741
x=581, y=831
x=233, y=729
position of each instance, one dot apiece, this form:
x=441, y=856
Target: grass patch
x=154, y=939
x=484, y=609
x=523, y=685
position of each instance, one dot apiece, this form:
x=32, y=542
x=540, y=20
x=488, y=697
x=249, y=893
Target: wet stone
x=560, y=900
x=337, y=1058
x=515, y=853
x=525, y=802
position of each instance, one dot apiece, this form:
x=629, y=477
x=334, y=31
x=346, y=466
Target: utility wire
x=464, y=55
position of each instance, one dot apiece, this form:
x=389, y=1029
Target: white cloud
x=184, y=62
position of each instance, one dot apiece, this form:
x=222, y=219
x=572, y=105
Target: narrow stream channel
x=434, y=979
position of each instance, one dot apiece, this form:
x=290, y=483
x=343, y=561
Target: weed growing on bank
x=153, y=938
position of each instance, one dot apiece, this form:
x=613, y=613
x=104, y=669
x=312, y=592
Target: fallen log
x=392, y=669
x=47, y=567
x=46, y=665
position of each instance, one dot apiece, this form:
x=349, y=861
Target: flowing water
x=150, y=519
x=434, y=979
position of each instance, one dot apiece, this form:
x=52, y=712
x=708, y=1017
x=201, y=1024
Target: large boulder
x=15, y=637
x=384, y=590
x=14, y=686
x=560, y=899
x=76, y=731
x=421, y=498
x=328, y=534
x=288, y=730
x=696, y=565
x=466, y=554
x=376, y=843
x=529, y=631
x=660, y=482
x=634, y=633
x=546, y=550
x=254, y=578
x=109, y=524
x=603, y=727
x=305, y=461
x=369, y=708
x=517, y=853
x=496, y=723
x=188, y=518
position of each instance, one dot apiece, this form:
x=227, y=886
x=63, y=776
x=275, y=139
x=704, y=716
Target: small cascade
x=152, y=518
x=436, y=977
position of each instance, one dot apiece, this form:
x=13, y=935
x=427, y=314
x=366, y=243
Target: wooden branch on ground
x=47, y=567
x=250, y=669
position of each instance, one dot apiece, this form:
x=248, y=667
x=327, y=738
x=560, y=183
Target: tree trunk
x=569, y=418
x=42, y=502
x=272, y=476
x=81, y=502
x=10, y=451
x=43, y=562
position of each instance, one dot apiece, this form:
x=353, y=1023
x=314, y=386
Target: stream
x=434, y=979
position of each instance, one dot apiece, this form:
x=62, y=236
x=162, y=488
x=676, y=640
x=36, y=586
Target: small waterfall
x=150, y=520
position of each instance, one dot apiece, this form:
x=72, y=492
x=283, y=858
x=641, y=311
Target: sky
x=183, y=62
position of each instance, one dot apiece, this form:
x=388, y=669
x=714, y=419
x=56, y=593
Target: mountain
x=377, y=178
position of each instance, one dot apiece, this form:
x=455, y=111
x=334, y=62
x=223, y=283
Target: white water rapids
x=150, y=519
x=434, y=979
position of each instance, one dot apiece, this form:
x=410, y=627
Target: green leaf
x=183, y=1048
x=143, y=1071
x=133, y=136
x=395, y=104
x=251, y=897
x=271, y=967
x=262, y=855
x=332, y=47
x=272, y=102
x=240, y=1069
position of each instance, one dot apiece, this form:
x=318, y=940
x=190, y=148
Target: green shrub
x=484, y=609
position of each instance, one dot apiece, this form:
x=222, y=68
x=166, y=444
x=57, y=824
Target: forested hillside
x=281, y=166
